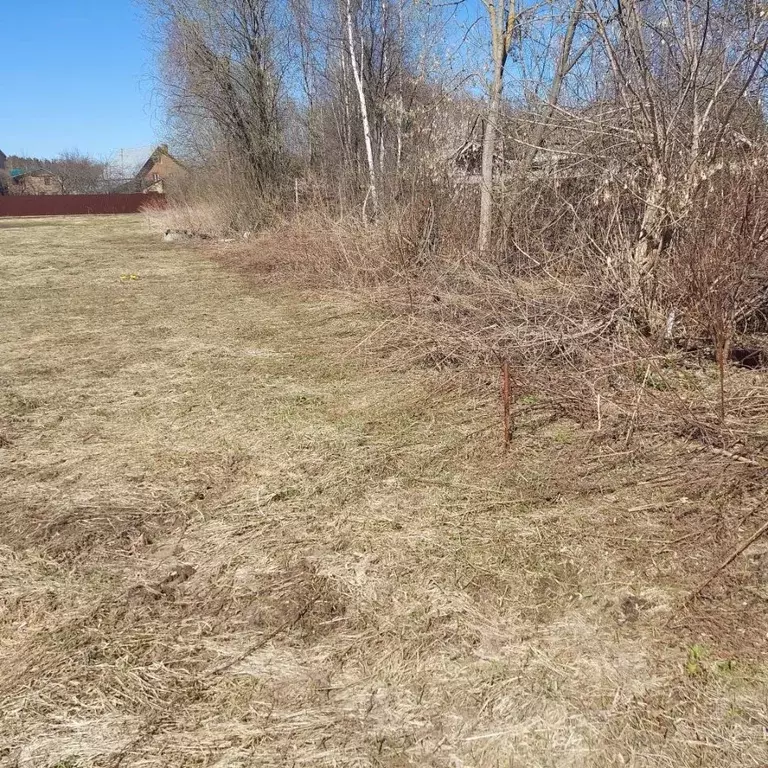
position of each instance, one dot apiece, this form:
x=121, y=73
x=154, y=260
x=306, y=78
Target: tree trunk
x=363, y=112
x=642, y=267
x=502, y=18
x=564, y=65
x=400, y=90
x=345, y=127
x=486, y=184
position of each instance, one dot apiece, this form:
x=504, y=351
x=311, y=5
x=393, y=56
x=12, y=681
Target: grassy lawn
x=235, y=532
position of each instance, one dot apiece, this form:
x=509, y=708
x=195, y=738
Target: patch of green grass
x=696, y=657
x=562, y=436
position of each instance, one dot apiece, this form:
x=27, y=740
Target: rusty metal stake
x=505, y=399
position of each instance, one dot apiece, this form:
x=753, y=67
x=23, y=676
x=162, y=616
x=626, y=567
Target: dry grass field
x=238, y=530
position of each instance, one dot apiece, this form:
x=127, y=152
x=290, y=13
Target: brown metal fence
x=73, y=205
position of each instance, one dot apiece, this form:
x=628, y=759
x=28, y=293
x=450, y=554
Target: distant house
x=36, y=182
x=161, y=167
x=143, y=170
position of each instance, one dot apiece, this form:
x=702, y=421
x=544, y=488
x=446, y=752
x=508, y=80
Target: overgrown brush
x=551, y=300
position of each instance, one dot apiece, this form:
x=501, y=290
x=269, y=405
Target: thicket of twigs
x=605, y=236
x=551, y=299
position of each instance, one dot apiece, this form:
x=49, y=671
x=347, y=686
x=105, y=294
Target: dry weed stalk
x=506, y=403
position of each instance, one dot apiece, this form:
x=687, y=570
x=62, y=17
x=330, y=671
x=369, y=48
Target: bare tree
x=355, y=59
x=721, y=260
x=567, y=59
x=681, y=78
x=304, y=18
x=222, y=69
x=79, y=173
x=502, y=18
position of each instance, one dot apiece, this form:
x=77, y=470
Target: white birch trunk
x=363, y=112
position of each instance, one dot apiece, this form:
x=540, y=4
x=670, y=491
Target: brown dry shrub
x=721, y=258
x=548, y=301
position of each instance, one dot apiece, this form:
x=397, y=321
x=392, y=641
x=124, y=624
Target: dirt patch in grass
x=238, y=529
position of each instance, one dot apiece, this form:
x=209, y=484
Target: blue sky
x=76, y=74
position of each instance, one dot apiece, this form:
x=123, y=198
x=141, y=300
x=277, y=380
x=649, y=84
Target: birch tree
x=355, y=58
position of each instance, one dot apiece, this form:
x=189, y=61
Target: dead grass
x=209, y=218
x=240, y=527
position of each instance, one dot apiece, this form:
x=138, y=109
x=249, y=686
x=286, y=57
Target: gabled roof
x=155, y=157
x=127, y=164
